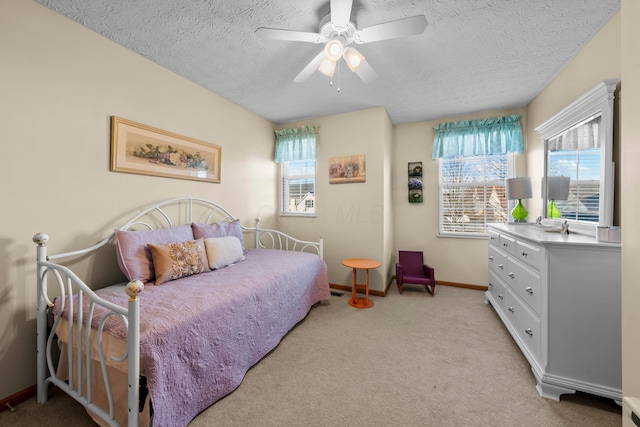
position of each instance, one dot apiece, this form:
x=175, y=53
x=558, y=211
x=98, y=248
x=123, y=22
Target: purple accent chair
x=411, y=268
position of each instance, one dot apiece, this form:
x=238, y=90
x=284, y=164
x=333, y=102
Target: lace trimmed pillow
x=172, y=261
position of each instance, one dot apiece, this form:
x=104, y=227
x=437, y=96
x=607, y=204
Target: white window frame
x=285, y=178
x=441, y=231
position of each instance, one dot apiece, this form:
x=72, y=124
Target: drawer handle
x=501, y=267
x=490, y=284
x=511, y=275
x=529, y=290
x=501, y=296
x=529, y=332
x=492, y=238
x=506, y=245
x=491, y=258
x=510, y=309
x=524, y=254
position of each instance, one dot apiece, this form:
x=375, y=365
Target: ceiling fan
x=337, y=33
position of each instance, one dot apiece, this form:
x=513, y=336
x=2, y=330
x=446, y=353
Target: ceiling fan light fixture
x=337, y=32
x=327, y=67
x=333, y=49
x=353, y=58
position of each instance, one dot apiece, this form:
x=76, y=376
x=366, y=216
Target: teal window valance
x=498, y=135
x=296, y=144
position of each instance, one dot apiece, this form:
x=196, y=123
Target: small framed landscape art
x=347, y=169
x=141, y=149
x=415, y=182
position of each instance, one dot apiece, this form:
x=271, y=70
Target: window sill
x=484, y=236
x=298, y=215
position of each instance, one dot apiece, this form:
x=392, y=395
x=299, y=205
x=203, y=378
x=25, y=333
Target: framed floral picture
x=141, y=149
x=347, y=169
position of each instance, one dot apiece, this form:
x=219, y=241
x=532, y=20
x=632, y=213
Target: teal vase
x=553, y=211
x=519, y=213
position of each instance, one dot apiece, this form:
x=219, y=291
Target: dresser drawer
x=497, y=290
x=531, y=254
x=525, y=324
x=494, y=237
x=498, y=261
x=524, y=282
x=508, y=244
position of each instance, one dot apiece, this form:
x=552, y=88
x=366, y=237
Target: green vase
x=553, y=211
x=519, y=213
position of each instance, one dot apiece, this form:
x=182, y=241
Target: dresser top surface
x=539, y=235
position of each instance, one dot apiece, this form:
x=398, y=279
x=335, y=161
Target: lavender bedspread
x=200, y=334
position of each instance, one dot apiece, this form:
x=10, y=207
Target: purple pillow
x=219, y=229
x=206, y=231
x=134, y=257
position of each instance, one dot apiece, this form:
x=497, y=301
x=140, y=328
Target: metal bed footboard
x=72, y=293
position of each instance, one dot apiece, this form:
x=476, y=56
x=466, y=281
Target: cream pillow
x=223, y=251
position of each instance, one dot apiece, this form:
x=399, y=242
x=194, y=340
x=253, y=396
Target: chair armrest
x=399, y=272
x=429, y=271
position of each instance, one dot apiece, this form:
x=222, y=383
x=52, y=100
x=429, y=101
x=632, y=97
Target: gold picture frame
x=145, y=150
x=347, y=169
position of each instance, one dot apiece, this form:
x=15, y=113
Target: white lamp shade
x=327, y=67
x=557, y=187
x=353, y=58
x=333, y=49
x=518, y=188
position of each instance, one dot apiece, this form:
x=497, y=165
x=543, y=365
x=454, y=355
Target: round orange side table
x=363, y=264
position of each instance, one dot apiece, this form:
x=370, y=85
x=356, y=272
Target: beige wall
x=416, y=227
x=354, y=219
x=60, y=85
x=630, y=177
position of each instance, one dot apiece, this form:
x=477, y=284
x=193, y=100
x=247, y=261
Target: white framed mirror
x=578, y=181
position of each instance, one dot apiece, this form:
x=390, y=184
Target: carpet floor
x=411, y=360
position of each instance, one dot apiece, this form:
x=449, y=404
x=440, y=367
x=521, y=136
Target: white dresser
x=559, y=297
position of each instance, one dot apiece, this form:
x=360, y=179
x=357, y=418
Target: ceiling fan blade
x=311, y=68
x=290, y=35
x=392, y=29
x=366, y=73
x=340, y=12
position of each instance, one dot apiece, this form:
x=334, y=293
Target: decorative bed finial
x=134, y=288
x=41, y=239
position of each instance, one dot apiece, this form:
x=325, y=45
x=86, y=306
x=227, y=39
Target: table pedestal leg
x=354, y=286
x=358, y=302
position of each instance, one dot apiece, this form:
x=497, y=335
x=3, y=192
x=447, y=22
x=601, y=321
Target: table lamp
x=557, y=189
x=517, y=189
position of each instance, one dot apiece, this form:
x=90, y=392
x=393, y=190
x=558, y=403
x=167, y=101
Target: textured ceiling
x=475, y=55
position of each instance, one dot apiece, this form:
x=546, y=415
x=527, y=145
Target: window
x=475, y=157
x=298, y=187
x=472, y=193
x=296, y=154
